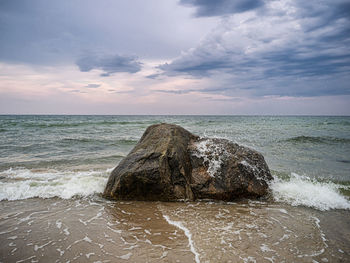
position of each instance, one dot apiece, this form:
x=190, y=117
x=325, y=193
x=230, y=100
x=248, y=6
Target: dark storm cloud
x=109, y=64
x=287, y=48
x=37, y=32
x=186, y=91
x=297, y=50
x=221, y=7
x=196, y=68
x=44, y=32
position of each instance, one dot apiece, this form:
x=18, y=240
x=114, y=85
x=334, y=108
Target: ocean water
x=54, y=168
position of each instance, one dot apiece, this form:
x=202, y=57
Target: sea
x=53, y=170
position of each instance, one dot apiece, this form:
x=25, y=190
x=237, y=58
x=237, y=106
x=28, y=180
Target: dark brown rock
x=158, y=168
x=169, y=163
x=225, y=171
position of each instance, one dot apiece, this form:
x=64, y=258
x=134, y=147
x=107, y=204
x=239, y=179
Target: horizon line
x=204, y=115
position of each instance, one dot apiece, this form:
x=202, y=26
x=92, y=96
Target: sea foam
x=23, y=183
x=20, y=184
x=213, y=155
x=301, y=190
x=187, y=234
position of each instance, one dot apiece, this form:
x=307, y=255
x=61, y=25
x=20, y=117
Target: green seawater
x=318, y=147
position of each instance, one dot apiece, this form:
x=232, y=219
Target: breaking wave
x=302, y=191
x=17, y=184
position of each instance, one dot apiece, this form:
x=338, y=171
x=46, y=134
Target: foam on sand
x=187, y=234
x=301, y=190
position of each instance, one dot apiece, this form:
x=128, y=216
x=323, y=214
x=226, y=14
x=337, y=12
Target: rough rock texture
x=224, y=170
x=169, y=163
x=158, y=168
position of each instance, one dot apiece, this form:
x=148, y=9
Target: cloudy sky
x=175, y=57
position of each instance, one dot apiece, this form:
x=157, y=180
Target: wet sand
x=96, y=230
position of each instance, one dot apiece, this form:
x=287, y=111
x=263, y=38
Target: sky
x=231, y=57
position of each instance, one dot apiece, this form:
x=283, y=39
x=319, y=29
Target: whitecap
x=24, y=183
x=301, y=190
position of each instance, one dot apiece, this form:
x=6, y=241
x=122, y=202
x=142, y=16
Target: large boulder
x=169, y=163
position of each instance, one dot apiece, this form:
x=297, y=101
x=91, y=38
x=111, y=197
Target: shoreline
x=97, y=229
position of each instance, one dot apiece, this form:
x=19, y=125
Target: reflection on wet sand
x=96, y=230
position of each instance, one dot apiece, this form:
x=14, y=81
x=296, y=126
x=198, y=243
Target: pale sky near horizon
x=175, y=57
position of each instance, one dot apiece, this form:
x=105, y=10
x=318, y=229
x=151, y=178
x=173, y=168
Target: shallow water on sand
x=96, y=230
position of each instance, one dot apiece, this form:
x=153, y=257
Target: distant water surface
x=58, y=164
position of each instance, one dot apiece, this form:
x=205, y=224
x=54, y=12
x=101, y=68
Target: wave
x=317, y=139
x=80, y=124
x=333, y=122
x=303, y=191
x=70, y=142
x=66, y=161
x=17, y=184
x=96, y=140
